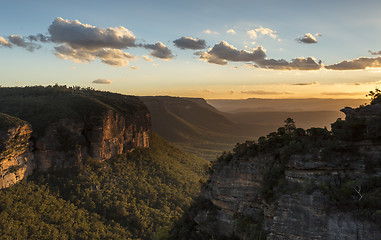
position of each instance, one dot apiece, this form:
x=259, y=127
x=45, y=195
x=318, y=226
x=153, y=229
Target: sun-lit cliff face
x=64, y=132
x=297, y=184
x=15, y=150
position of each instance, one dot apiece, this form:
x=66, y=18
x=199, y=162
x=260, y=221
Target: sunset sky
x=209, y=49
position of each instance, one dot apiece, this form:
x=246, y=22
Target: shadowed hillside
x=283, y=105
x=198, y=127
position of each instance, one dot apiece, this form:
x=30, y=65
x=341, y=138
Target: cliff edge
x=61, y=126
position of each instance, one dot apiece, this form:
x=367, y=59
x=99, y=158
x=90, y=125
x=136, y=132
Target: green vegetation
x=30, y=211
x=135, y=195
x=41, y=106
x=364, y=195
x=250, y=228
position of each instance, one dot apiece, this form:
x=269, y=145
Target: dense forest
x=134, y=196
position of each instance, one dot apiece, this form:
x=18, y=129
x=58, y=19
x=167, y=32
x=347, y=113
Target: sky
x=209, y=49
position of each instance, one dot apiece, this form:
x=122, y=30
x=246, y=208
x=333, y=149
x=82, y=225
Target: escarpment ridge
x=55, y=127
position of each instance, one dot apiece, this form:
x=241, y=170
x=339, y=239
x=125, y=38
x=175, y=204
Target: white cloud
x=253, y=34
x=148, y=59
x=208, y=31
x=4, y=42
x=231, y=31
x=262, y=31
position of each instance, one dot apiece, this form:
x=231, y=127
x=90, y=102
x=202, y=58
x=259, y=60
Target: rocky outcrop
x=325, y=191
x=69, y=141
x=16, y=158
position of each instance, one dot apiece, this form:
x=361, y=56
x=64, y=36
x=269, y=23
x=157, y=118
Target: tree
x=289, y=125
x=375, y=96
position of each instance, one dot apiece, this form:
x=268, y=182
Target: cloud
x=83, y=36
x=20, y=42
x=307, y=38
x=208, y=31
x=102, y=81
x=375, y=53
x=356, y=64
x=260, y=92
x=159, y=50
x=148, y=59
x=263, y=31
x=4, y=42
x=66, y=52
x=39, y=37
x=114, y=57
x=84, y=43
x=343, y=93
x=190, y=43
x=252, y=34
x=295, y=64
x=134, y=68
x=223, y=52
x=231, y=31
x=81, y=42
x=305, y=84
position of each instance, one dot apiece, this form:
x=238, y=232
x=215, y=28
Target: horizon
x=210, y=50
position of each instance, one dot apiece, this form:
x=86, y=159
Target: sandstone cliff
x=69, y=125
x=296, y=184
x=16, y=158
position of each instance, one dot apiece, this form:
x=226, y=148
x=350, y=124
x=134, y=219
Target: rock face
x=308, y=202
x=69, y=141
x=16, y=158
x=80, y=125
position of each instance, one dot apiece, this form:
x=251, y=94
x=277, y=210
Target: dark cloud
x=159, y=50
x=190, y=43
x=295, y=64
x=83, y=36
x=223, y=52
x=356, y=64
x=20, y=42
x=375, y=53
x=305, y=84
x=307, y=38
x=260, y=92
x=102, y=81
x=210, y=58
x=39, y=37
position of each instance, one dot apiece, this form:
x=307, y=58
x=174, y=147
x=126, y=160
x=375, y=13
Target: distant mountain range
x=208, y=127
x=283, y=105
